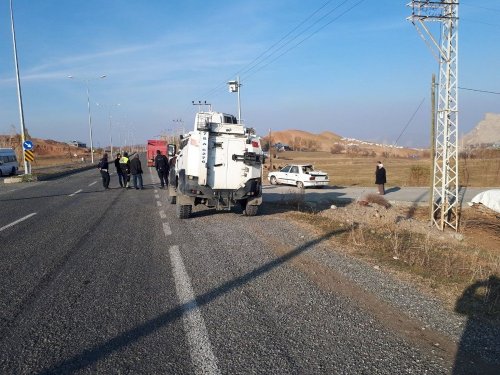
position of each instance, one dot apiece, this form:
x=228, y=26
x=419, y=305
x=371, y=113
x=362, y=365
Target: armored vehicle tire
x=300, y=184
x=250, y=210
x=172, y=199
x=183, y=211
x=274, y=181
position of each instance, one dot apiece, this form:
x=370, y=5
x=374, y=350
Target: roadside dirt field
x=355, y=170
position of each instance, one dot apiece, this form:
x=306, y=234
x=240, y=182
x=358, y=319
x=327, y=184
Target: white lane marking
x=93, y=183
x=204, y=361
x=76, y=192
x=158, y=203
x=17, y=221
x=166, y=229
x=163, y=215
x=157, y=196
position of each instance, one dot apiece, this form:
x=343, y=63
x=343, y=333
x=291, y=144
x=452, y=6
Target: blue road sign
x=28, y=145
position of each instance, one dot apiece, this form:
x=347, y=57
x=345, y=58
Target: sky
x=356, y=68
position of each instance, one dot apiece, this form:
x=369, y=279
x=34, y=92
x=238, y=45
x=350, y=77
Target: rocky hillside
x=486, y=132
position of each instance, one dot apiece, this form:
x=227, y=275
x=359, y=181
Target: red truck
x=153, y=145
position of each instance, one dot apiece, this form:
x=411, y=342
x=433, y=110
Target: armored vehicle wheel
x=183, y=211
x=274, y=181
x=300, y=184
x=172, y=199
x=250, y=210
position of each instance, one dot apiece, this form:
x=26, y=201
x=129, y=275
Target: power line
x=295, y=37
x=480, y=22
x=308, y=37
x=477, y=90
x=480, y=7
x=409, y=121
x=255, y=62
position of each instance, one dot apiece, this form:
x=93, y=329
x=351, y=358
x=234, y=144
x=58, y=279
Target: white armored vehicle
x=218, y=164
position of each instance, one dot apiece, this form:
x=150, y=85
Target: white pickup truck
x=218, y=164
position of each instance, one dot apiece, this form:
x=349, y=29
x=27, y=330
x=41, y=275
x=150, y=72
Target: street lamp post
x=234, y=86
x=19, y=95
x=110, y=130
x=86, y=80
x=177, y=129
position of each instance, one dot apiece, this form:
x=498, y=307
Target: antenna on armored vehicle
x=445, y=177
x=204, y=103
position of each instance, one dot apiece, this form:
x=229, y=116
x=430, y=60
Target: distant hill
x=43, y=147
x=486, y=132
x=301, y=140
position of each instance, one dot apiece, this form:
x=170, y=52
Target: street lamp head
x=71, y=77
x=103, y=76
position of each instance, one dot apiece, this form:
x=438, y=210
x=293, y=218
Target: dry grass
x=447, y=262
x=347, y=170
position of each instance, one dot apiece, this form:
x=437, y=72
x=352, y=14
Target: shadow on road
x=479, y=348
x=100, y=351
x=393, y=189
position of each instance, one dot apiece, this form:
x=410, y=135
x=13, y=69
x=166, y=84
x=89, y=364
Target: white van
x=8, y=162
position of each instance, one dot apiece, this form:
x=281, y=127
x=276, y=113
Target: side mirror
x=172, y=149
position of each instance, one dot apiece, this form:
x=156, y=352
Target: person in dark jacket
x=136, y=172
x=119, y=172
x=125, y=167
x=162, y=167
x=380, y=178
x=103, y=168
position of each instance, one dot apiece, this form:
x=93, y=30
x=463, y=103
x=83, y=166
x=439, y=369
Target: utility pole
x=270, y=152
x=433, y=149
x=445, y=181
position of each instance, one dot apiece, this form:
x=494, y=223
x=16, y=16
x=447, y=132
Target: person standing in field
x=125, y=167
x=162, y=167
x=119, y=172
x=380, y=178
x=103, y=168
x=136, y=172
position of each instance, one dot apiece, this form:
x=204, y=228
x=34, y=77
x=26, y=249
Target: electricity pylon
x=445, y=210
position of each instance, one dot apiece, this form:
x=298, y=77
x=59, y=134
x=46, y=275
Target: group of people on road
x=126, y=168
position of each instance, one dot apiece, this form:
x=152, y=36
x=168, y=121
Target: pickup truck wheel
x=274, y=181
x=183, y=211
x=250, y=210
x=300, y=184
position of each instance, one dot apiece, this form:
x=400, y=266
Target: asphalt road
x=96, y=281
